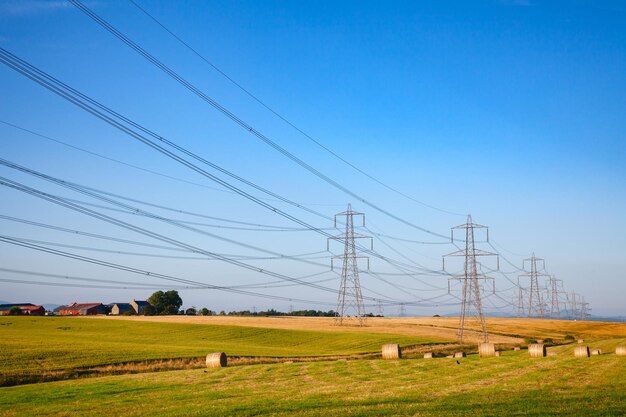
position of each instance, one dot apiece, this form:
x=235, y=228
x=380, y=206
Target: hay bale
x=459, y=355
x=216, y=360
x=596, y=351
x=497, y=354
x=551, y=353
x=486, y=350
x=516, y=348
x=620, y=351
x=537, y=350
x=581, y=351
x=392, y=351
x=428, y=355
x=450, y=356
x=540, y=341
x=581, y=341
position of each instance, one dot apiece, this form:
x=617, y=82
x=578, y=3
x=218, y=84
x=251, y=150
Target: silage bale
x=537, y=350
x=581, y=351
x=392, y=351
x=486, y=350
x=216, y=360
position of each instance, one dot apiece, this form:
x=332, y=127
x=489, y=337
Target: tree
x=15, y=311
x=165, y=303
x=205, y=312
x=191, y=311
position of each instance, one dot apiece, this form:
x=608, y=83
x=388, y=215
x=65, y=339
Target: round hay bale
x=596, y=351
x=537, y=350
x=581, y=351
x=581, y=341
x=450, y=356
x=516, y=348
x=620, y=351
x=392, y=351
x=459, y=355
x=539, y=341
x=497, y=354
x=551, y=353
x=486, y=350
x=216, y=360
x=428, y=355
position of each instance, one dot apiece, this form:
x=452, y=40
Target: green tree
x=165, y=303
x=15, y=311
x=205, y=312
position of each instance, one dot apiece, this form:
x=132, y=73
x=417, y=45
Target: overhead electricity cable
x=285, y=120
x=150, y=171
x=150, y=273
x=236, y=119
x=110, y=117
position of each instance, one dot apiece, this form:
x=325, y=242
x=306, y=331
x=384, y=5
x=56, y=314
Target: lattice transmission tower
x=350, y=308
x=555, y=289
x=520, y=299
x=471, y=302
x=536, y=304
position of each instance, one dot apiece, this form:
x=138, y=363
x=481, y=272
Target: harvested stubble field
x=512, y=384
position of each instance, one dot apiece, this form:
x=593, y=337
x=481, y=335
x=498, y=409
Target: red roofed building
x=85, y=309
x=26, y=309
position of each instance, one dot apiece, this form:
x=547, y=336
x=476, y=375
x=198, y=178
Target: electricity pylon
x=535, y=301
x=350, y=306
x=584, y=309
x=555, y=305
x=471, y=304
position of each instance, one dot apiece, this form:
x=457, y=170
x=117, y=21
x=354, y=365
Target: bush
x=15, y=311
x=530, y=340
x=569, y=337
x=548, y=341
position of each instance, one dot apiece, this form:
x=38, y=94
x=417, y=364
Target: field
x=338, y=384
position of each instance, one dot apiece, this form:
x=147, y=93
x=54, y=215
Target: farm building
x=139, y=306
x=122, y=308
x=27, y=309
x=86, y=309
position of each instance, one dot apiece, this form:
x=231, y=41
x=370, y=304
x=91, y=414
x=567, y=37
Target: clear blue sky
x=513, y=111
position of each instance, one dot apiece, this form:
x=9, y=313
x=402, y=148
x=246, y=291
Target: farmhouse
x=27, y=309
x=139, y=306
x=122, y=308
x=86, y=309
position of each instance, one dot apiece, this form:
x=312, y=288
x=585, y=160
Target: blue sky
x=512, y=111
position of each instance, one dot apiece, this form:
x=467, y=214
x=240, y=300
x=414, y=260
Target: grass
x=513, y=384
x=50, y=347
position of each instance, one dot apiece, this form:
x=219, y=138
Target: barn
x=27, y=309
x=84, y=309
x=122, y=308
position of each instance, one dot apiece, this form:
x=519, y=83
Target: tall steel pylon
x=471, y=303
x=350, y=308
x=555, y=304
x=536, y=305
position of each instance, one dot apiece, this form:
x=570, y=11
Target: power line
x=236, y=119
x=285, y=120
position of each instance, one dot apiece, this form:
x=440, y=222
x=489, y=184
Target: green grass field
x=513, y=384
x=37, y=345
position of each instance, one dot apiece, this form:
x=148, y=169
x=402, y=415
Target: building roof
x=5, y=307
x=141, y=303
x=81, y=306
x=123, y=306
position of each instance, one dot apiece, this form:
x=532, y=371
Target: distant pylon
x=555, y=307
x=379, y=308
x=350, y=306
x=471, y=304
x=573, y=306
x=584, y=309
x=536, y=305
x=402, y=310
